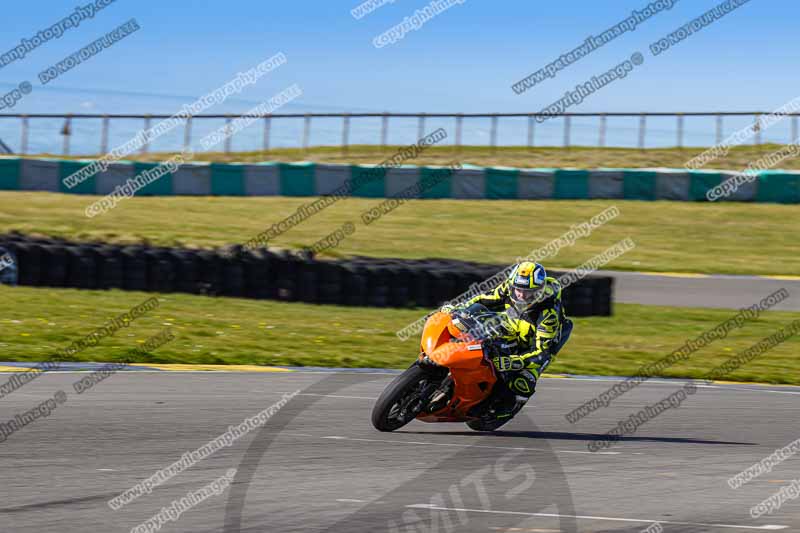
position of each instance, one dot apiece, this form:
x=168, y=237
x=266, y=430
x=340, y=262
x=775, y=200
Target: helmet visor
x=526, y=296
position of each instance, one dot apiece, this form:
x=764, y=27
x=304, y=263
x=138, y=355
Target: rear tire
x=389, y=412
x=490, y=425
x=487, y=425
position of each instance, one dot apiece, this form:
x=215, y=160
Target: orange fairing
x=472, y=375
x=435, y=331
x=438, y=344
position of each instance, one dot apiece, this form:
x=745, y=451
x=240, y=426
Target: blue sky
x=465, y=59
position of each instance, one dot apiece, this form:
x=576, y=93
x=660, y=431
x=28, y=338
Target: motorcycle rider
x=532, y=301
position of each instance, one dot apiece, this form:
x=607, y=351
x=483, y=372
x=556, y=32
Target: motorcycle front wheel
x=401, y=401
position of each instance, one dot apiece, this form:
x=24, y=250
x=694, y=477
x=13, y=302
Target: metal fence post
x=345, y=133
x=493, y=133
x=567, y=128
x=228, y=134
x=104, y=136
x=421, y=126
x=531, y=130
x=24, y=141
x=719, y=129
x=601, y=141
x=66, y=131
x=146, y=144
x=384, y=129
x=757, y=129
x=306, y=131
x=266, y=133
x=680, y=130
x=459, y=128
x=187, y=134
x=794, y=129
x=642, y=126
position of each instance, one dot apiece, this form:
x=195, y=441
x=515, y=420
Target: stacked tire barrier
x=266, y=274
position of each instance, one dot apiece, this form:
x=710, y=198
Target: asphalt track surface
x=318, y=465
x=700, y=290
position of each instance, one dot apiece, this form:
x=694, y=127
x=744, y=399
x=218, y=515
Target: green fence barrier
x=639, y=185
x=227, y=180
x=494, y=183
x=571, y=185
x=68, y=168
x=778, y=187
x=442, y=180
x=159, y=187
x=701, y=182
x=297, y=179
x=371, y=181
x=501, y=183
x=9, y=174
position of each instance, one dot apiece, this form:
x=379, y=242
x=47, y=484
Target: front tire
x=400, y=402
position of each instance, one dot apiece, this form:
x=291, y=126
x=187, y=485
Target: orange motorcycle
x=453, y=378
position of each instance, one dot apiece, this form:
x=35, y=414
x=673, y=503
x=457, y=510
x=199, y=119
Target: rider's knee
x=523, y=383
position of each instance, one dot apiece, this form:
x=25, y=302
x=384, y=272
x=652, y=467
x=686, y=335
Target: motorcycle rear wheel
x=484, y=424
x=487, y=425
x=397, y=404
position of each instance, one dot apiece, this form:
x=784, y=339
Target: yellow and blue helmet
x=527, y=284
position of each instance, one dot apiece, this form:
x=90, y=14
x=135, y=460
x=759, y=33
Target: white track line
x=759, y=390
x=418, y=443
x=721, y=387
x=770, y=527
x=338, y=396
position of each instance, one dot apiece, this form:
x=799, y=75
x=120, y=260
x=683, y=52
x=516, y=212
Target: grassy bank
x=511, y=156
x=36, y=322
x=729, y=238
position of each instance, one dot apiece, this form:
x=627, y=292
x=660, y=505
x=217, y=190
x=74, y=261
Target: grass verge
x=732, y=238
x=511, y=156
x=36, y=322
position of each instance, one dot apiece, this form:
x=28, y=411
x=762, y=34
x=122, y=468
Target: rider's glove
x=543, y=359
x=506, y=363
